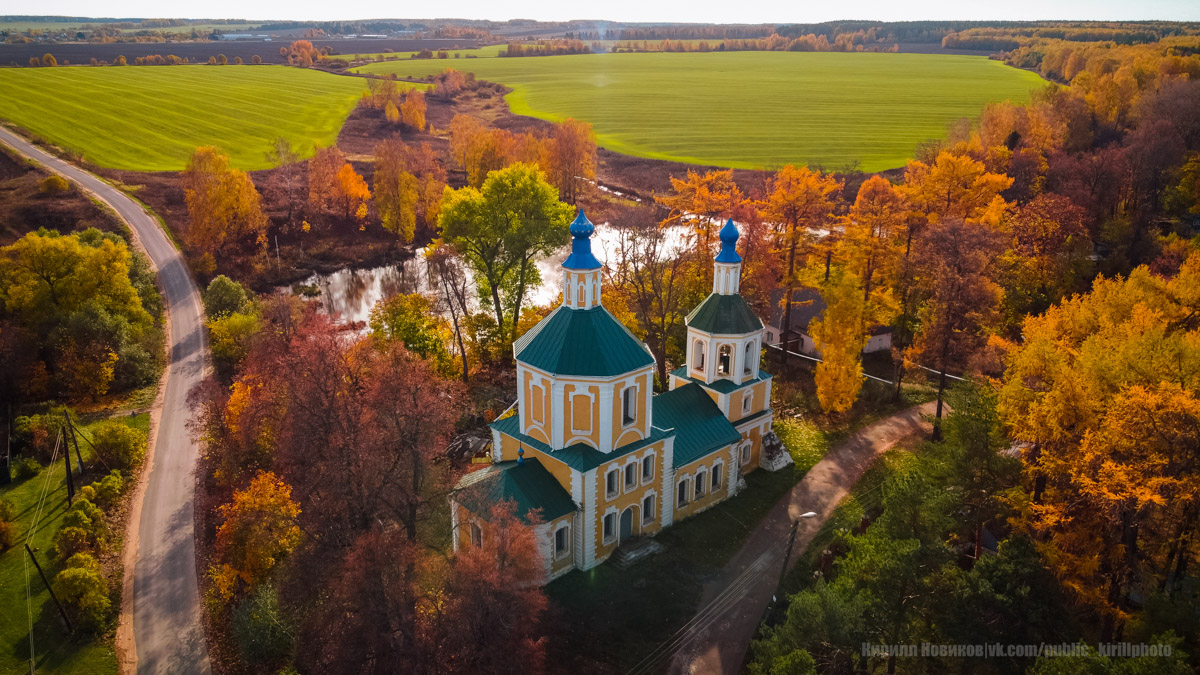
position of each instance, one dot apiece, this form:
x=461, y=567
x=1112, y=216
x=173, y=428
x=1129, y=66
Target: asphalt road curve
x=166, y=602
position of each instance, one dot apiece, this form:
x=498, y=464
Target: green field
x=488, y=52
x=752, y=109
x=151, y=118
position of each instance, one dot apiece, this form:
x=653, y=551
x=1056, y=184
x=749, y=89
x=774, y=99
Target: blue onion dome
x=581, y=227
x=581, y=257
x=729, y=236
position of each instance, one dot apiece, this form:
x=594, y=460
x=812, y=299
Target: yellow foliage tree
x=412, y=111
x=1105, y=385
x=391, y=113
x=954, y=186
x=258, y=529
x=224, y=208
x=840, y=335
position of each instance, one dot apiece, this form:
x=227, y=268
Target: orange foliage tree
x=224, y=210
x=258, y=529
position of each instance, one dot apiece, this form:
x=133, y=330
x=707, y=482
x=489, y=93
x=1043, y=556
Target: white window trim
x=608, y=539
x=637, y=472
x=729, y=370
x=719, y=464
x=540, y=396
x=591, y=409
x=744, y=452
x=633, y=420
x=699, y=348
x=566, y=552
x=612, y=493
x=654, y=496
x=646, y=479
x=700, y=484
x=473, y=528
x=747, y=400
x=685, y=492
x=747, y=352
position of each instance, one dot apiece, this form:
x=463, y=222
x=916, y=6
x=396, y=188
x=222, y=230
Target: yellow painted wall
x=632, y=498
x=697, y=505
x=576, y=411
x=567, y=560
x=640, y=427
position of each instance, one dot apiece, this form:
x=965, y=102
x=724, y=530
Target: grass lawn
x=751, y=110
x=57, y=651
x=152, y=118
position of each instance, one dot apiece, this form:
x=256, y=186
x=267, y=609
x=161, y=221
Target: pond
x=351, y=293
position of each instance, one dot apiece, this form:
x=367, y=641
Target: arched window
x=648, y=509
x=698, y=349
x=580, y=300
x=748, y=362
x=724, y=358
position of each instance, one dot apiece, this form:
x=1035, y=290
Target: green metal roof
x=721, y=386
x=529, y=485
x=724, y=315
x=582, y=342
x=580, y=456
x=700, y=426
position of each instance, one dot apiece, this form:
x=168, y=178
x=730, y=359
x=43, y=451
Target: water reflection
x=351, y=293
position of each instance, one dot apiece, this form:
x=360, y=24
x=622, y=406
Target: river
x=351, y=293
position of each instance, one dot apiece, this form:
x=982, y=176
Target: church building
x=589, y=446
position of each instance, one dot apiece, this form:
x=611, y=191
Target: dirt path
x=160, y=599
x=716, y=640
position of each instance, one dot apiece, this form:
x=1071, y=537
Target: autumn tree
x=652, y=280
x=224, y=209
x=953, y=187
x=287, y=175
x=391, y=113
x=1048, y=258
x=351, y=192
x=840, y=334
x=408, y=319
x=49, y=60
x=500, y=230
x=702, y=201
x=412, y=111
x=408, y=186
x=495, y=599
x=954, y=263
x=875, y=234
x=1105, y=385
x=800, y=201
x=322, y=177
x=302, y=53
x=258, y=529
x=572, y=157
x=446, y=273
x=477, y=149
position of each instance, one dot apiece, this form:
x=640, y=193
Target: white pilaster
x=605, y=418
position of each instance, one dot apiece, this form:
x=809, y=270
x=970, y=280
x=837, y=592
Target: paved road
x=716, y=640
x=166, y=607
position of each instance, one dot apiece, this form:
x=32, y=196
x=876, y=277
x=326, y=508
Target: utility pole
x=74, y=441
x=46, y=581
x=8, y=446
x=67, y=463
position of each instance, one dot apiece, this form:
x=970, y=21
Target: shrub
x=37, y=434
x=6, y=535
x=120, y=444
x=89, y=518
x=52, y=185
x=27, y=467
x=70, y=540
x=83, y=589
x=88, y=492
x=262, y=632
x=109, y=489
x=8, y=511
x=224, y=296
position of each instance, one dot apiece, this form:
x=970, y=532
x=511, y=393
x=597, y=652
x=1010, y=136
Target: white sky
x=703, y=11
